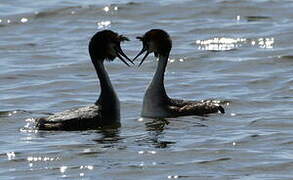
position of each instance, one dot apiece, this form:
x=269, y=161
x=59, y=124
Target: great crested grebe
x=156, y=103
x=104, y=45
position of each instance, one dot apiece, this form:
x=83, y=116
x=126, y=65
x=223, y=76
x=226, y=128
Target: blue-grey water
x=239, y=51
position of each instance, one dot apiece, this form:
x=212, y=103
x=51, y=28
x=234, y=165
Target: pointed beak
x=144, y=49
x=145, y=56
x=140, y=53
x=120, y=54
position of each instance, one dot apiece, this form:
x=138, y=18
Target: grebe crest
x=155, y=41
x=105, y=45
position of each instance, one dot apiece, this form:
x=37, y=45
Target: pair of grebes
x=105, y=45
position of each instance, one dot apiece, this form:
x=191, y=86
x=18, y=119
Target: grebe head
x=106, y=45
x=157, y=41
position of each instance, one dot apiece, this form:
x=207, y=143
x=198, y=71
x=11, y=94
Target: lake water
x=236, y=51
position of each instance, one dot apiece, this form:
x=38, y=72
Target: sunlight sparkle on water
x=173, y=177
x=63, y=169
x=103, y=24
x=29, y=127
x=26, y=138
x=147, y=152
x=220, y=44
x=238, y=18
x=87, y=150
x=106, y=8
x=10, y=155
x=233, y=114
x=152, y=152
x=89, y=167
x=225, y=44
x=39, y=158
x=11, y=113
x=28, y=130
x=266, y=43
x=24, y=20
x=171, y=60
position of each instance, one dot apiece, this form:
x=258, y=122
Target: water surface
x=237, y=51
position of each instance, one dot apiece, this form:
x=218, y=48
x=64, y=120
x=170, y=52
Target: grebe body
x=104, y=45
x=156, y=102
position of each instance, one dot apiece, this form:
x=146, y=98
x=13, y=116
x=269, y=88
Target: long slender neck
x=108, y=95
x=157, y=85
x=156, y=100
x=108, y=100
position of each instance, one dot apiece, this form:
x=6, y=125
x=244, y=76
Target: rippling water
x=238, y=51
